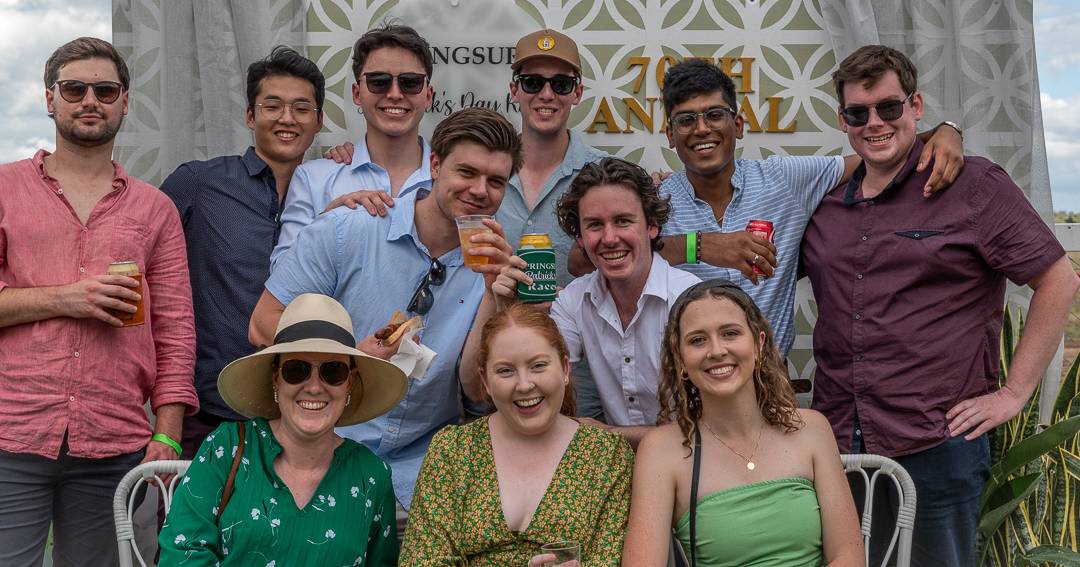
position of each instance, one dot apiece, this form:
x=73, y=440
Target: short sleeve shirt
x=784, y=190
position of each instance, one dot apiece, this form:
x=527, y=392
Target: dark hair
x=391, y=35
x=870, y=63
x=285, y=60
x=693, y=77
x=613, y=171
x=81, y=49
x=529, y=317
x=680, y=400
x=485, y=127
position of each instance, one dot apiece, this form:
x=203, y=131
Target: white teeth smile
x=705, y=146
x=395, y=110
x=286, y=135
x=873, y=139
x=721, y=370
x=528, y=403
x=311, y=405
x=545, y=110
x=613, y=255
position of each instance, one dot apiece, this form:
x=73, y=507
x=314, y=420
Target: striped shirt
x=784, y=190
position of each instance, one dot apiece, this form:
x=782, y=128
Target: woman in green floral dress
x=301, y=494
x=493, y=491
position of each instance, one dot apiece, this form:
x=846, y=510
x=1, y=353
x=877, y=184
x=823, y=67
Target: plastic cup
x=467, y=226
x=567, y=553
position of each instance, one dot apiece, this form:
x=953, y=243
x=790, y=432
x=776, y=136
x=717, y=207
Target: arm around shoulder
x=264, y=320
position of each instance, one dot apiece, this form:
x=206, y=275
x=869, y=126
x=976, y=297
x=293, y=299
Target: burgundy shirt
x=81, y=375
x=910, y=293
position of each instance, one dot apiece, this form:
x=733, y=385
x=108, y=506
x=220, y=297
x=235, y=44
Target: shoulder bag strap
x=227, y=492
x=693, y=495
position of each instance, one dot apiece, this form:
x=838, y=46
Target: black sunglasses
x=332, y=372
x=423, y=299
x=74, y=91
x=409, y=83
x=560, y=84
x=858, y=114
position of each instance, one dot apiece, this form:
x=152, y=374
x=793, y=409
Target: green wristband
x=162, y=438
x=691, y=248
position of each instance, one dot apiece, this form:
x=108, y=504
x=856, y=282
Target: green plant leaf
x=1030, y=449
x=1003, y=501
x=1068, y=389
x=1054, y=554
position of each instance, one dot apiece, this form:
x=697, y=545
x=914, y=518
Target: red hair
x=529, y=317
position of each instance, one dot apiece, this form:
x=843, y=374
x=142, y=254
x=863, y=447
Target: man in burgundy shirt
x=910, y=293
x=73, y=380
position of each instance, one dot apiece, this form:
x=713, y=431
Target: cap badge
x=546, y=43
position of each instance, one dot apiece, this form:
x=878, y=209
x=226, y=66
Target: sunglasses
x=104, y=91
x=715, y=117
x=858, y=115
x=408, y=83
x=423, y=299
x=331, y=372
x=560, y=84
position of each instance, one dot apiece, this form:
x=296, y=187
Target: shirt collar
x=253, y=163
x=120, y=176
x=362, y=158
x=656, y=284
x=402, y=216
x=857, y=176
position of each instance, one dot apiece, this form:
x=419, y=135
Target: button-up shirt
x=910, y=293
x=784, y=190
x=229, y=210
x=315, y=183
x=82, y=376
x=625, y=363
x=372, y=265
x=517, y=218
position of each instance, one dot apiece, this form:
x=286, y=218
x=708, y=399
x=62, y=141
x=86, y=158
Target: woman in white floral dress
x=302, y=495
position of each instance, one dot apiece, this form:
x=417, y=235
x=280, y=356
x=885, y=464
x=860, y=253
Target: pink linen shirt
x=82, y=376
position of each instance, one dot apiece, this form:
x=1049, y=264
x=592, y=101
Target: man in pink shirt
x=73, y=379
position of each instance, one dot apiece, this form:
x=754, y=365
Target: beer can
x=536, y=249
x=764, y=229
x=130, y=269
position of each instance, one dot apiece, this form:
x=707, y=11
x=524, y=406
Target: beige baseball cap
x=546, y=43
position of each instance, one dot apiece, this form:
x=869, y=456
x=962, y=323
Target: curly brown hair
x=613, y=171
x=680, y=400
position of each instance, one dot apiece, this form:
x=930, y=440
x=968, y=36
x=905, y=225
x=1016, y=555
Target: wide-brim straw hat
x=313, y=323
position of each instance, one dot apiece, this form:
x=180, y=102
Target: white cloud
x=1061, y=122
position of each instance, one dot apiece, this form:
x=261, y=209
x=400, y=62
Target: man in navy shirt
x=230, y=208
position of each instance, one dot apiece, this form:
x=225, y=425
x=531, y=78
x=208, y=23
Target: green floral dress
x=349, y=521
x=457, y=519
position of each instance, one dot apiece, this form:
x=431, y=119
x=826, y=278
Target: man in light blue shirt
x=408, y=260
x=716, y=195
x=392, y=65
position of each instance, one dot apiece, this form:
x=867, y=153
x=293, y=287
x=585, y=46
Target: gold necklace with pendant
x=749, y=460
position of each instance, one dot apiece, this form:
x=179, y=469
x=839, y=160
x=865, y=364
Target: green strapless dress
x=763, y=524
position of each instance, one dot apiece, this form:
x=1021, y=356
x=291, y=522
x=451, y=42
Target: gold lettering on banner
x=633, y=107
x=642, y=62
x=745, y=75
x=606, y=117
x=774, y=117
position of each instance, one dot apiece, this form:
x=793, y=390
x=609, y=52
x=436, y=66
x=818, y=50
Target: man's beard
x=99, y=135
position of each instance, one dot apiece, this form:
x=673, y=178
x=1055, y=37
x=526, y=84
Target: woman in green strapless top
x=770, y=489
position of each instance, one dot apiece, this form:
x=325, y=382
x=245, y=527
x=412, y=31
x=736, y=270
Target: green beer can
x=537, y=251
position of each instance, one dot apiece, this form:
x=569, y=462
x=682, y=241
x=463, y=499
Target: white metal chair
x=905, y=516
x=124, y=502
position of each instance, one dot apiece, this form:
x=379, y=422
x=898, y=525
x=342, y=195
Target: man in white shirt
x=613, y=317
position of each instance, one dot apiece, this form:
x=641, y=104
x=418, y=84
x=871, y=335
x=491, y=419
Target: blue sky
x=31, y=29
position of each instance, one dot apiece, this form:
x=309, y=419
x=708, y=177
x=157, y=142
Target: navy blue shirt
x=229, y=208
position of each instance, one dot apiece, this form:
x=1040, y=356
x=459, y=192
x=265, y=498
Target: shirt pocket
x=130, y=241
x=920, y=234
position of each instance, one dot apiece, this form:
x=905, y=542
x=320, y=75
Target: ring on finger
x=753, y=261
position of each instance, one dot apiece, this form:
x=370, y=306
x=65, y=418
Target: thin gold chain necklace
x=749, y=460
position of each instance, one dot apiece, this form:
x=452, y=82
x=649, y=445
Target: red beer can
x=764, y=229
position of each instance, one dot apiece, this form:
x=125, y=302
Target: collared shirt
x=625, y=363
x=372, y=265
x=315, y=183
x=784, y=190
x=910, y=293
x=82, y=376
x=229, y=209
x=517, y=219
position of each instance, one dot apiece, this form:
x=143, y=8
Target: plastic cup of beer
x=131, y=270
x=567, y=553
x=467, y=226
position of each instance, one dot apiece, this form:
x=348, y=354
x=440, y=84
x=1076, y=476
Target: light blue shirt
x=372, y=265
x=784, y=190
x=516, y=218
x=315, y=183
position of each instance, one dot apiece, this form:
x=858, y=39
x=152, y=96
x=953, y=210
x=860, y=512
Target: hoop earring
x=275, y=396
x=348, y=399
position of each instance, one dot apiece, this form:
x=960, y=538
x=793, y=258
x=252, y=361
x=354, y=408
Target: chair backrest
x=905, y=515
x=124, y=502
